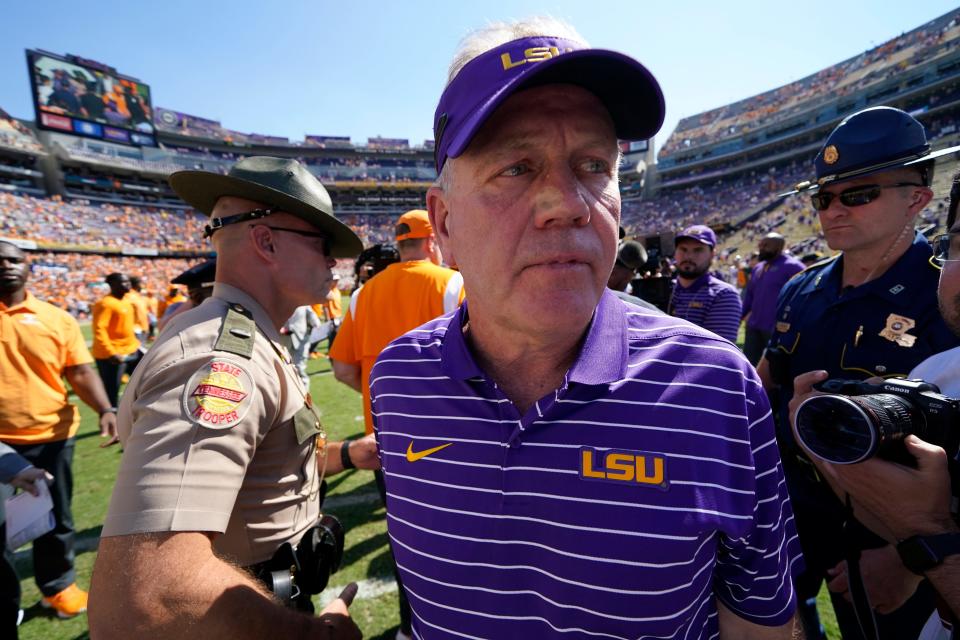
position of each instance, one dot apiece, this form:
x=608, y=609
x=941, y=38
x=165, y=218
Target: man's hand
x=27, y=480
x=108, y=428
x=363, y=453
x=118, y=359
x=889, y=584
x=337, y=623
x=906, y=501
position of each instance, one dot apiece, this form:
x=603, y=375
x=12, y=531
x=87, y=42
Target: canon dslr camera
x=857, y=420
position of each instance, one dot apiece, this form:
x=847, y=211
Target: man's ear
x=262, y=242
x=440, y=220
x=920, y=198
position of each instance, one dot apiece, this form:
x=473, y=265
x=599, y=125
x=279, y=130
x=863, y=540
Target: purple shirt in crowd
x=763, y=289
x=623, y=504
x=710, y=303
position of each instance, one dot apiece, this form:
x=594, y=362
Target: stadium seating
x=846, y=78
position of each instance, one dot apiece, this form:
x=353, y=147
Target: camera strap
x=858, y=591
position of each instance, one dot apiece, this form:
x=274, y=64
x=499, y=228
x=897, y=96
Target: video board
x=86, y=98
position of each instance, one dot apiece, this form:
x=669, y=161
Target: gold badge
x=830, y=154
x=783, y=327
x=896, y=330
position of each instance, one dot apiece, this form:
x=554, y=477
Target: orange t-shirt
x=402, y=297
x=140, y=318
x=37, y=342
x=333, y=305
x=113, y=328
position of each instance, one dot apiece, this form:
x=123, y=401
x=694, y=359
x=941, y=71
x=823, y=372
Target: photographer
x=219, y=490
x=906, y=504
x=869, y=311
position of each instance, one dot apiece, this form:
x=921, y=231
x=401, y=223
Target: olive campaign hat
x=283, y=184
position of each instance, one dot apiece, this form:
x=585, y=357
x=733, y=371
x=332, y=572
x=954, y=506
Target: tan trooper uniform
x=218, y=435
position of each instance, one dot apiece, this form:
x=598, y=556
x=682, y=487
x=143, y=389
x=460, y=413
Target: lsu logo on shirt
x=634, y=467
x=533, y=54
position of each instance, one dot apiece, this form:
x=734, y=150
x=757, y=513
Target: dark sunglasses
x=855, y=196
x=324, y=238
x=946, y=247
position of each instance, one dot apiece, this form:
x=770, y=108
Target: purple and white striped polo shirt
x=621, y=505
x=708, y=302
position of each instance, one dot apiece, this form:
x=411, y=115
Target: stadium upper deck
x=918, y=71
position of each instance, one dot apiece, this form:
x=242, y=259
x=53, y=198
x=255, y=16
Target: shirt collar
x=602, y=358
x=229, y=294
x=699, y=283
x=30, y=304
x=892, y=285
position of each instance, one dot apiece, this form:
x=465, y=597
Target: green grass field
x=352, y=496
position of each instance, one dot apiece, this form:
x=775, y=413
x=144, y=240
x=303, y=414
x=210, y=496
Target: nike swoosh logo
x=413, y=456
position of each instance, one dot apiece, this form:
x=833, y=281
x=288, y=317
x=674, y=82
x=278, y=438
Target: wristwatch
x=109, y=410
x=922, y=553
x=345, y=455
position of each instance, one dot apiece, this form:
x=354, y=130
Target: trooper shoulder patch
x=219, y=394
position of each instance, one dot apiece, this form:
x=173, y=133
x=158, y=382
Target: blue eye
x=515, y=170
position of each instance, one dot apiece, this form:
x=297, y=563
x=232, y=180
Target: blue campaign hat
x=198, y=275
x=870, y=141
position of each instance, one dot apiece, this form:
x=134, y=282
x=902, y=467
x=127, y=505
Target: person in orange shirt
x=115, y=344
x=141, y=315
x=173, y=297
x=39, y=346
x=332, y=309
x=401, y=297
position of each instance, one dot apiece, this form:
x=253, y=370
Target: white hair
x=493, y=35
x=497, y=33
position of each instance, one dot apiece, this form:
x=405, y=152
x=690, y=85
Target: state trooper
x=869, y=311
x=221, y=441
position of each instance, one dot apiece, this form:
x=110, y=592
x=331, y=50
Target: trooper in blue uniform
x=870, y=311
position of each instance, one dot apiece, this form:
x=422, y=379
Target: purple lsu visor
x=629, y=92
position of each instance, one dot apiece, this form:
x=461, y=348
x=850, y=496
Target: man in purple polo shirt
x=560, y=464
x=763, y=289
x=699, y=296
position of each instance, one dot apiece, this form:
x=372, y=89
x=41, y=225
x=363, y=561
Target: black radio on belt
x=295, y=573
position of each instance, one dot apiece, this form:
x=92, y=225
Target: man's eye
x=595, y=166
x=515, y=170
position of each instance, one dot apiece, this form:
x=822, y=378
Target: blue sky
x=362, y=68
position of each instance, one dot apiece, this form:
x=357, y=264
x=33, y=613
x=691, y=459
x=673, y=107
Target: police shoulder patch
x=219, y=394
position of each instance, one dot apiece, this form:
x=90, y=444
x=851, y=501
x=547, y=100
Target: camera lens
x=846, y=430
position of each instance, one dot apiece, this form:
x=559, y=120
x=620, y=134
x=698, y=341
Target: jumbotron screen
x=88, y=99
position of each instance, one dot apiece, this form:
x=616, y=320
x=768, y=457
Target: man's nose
x=561, y=199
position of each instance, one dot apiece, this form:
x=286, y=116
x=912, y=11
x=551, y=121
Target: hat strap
x=218, y=223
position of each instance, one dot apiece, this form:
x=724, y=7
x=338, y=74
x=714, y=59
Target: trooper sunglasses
x=855, y=196
x=324, y=238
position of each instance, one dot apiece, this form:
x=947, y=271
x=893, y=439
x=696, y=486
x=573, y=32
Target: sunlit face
x=301, y=270
x=304, y=268
x=768, y=248
x=119, y=285
x=13, y=268
x=693, y=258
x=875, y=224
x=532, y=210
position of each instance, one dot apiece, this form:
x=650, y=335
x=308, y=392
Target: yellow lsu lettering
x=533, y=54
x=619, y=466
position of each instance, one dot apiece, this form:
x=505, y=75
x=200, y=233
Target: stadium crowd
x=56, y=222
x=845, y=78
